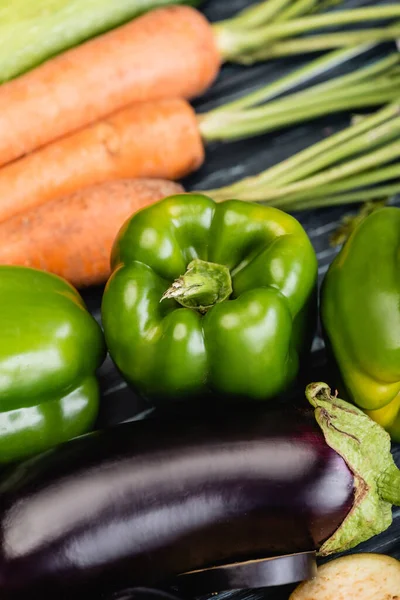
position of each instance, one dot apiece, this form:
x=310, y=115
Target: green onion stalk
x=358, y=164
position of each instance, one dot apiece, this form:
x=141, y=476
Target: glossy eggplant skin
x=148, y=500
x=142, y=594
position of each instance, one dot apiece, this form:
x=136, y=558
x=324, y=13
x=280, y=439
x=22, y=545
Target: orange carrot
x=149, y=139
x=73, y=236
x=167, y=52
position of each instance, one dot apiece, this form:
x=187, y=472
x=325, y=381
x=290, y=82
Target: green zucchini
x=31, y=31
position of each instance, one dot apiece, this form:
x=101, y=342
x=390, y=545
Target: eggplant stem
x=365, y=447
x=389, y=485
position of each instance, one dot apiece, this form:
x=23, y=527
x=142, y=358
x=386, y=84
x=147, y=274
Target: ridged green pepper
x=360, y=310
x=210, y=298
x=49, y=350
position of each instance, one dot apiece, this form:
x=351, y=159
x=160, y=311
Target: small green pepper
x=50, y=348
x=210, y=298
x=360, y=311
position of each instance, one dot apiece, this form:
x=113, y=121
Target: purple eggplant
x=154, y=502
x=142, y=594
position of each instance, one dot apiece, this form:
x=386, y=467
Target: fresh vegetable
x=360, y=314
x=142, y=593
x=370, y=576
x=349, y=222
x=170, y=51
x=126, y=145
x=50, y=349
x=32, y=32
x=245, y=276
x=370, y=85
x=266, y=39
x=73, y=236
x=144, y=502
x=316, y=43
x=345, y=167
x=133, y=142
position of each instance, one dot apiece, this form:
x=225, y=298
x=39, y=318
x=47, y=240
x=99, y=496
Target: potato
x=354, y=577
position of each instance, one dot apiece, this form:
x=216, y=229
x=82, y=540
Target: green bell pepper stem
x=317, y=43
x=202, y=286
x=365, y=447
x=232, y=43
x=309, y=71
x=376, y=193
x=347, y=225
x=341, y=145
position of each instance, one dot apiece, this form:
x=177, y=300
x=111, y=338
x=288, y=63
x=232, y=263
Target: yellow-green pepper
x=360, y=311
x=49, y=351
x=210, y=299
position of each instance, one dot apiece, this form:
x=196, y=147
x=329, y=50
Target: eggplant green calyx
x=202, y=286
x=365, y=447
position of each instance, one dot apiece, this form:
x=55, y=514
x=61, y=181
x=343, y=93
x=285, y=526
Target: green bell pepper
x=210, y=299
x=360, y=311
x=49, y=350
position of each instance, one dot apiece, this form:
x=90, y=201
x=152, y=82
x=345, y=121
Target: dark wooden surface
x=226, y=163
